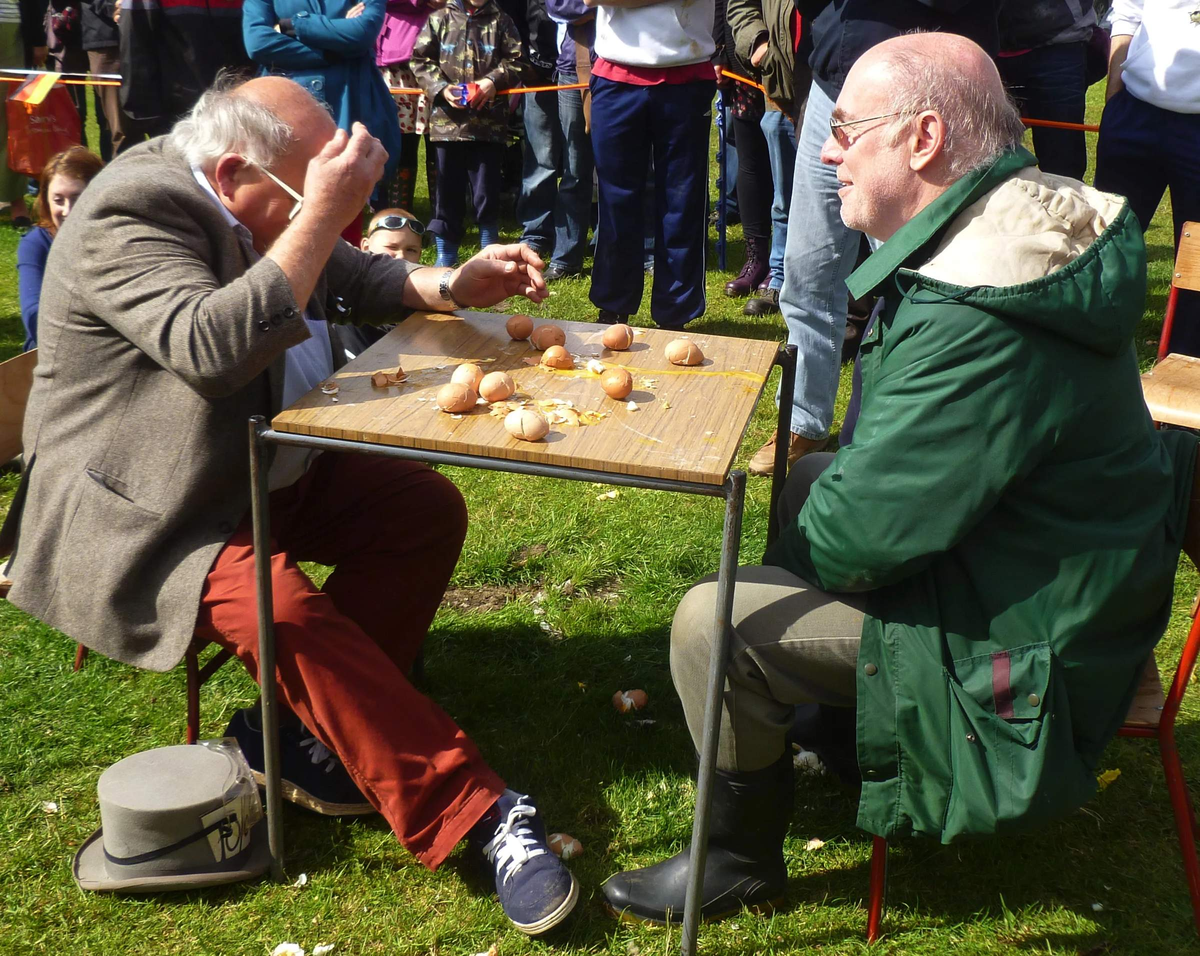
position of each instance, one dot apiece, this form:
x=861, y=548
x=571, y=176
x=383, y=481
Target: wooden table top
x=687, y=425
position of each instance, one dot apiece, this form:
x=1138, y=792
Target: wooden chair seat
x=1147, y=707
x=1172, y=391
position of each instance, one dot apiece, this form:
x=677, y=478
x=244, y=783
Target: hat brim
x=91, y=873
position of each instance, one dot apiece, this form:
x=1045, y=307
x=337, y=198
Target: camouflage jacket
x=456, y=46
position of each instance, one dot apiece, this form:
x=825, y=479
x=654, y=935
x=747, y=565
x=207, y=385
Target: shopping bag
x=42, y=121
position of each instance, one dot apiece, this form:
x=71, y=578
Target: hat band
x=224, y=825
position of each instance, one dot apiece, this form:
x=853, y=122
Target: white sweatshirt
x=670, y=33
x=1163, y=64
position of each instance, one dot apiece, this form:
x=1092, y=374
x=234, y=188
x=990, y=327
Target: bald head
x=953, y=77
x=290, y=102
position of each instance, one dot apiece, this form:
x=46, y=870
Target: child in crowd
x=396, y=233
x=463, y=55
x=66, y=176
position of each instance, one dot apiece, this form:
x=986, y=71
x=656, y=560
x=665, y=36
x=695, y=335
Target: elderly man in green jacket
x=985, y=570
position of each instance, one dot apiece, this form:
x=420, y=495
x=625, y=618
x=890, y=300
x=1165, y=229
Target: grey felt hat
x=175, y=818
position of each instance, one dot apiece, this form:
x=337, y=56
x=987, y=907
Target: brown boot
x=763, y=462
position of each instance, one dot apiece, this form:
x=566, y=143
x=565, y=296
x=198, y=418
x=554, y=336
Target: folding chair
x=1172, y=392
x=16, y=379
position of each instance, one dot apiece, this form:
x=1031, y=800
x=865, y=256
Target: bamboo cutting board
x=687, y=425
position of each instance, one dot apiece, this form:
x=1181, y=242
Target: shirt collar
x=911, y=238
x=230, y=218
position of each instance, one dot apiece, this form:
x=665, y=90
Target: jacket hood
x=1039, y=249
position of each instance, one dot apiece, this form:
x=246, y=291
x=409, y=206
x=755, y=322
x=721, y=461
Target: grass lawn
x=559, y=600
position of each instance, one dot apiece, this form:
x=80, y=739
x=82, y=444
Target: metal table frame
x=733, y=491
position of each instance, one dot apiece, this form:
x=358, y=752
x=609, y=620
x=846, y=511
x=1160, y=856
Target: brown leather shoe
x=763, y=462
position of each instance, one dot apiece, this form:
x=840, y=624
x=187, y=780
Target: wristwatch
x=444, y=288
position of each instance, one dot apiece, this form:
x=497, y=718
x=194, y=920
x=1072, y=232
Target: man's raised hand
x=340, y=178
x=498, y=272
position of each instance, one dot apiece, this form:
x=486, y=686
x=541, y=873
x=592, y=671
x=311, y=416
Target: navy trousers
x=1050, y=83
x=459, y=165
x=1143, y=151
x=631, y=124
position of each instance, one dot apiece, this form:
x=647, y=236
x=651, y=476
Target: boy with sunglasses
x=396, y=233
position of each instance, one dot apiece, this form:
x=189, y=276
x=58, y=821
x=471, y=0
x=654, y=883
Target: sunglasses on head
x=397, y=222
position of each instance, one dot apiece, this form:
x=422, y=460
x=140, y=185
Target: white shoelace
x=319, y=753
x=510, y=847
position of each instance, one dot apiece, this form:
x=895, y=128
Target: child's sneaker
x=536, y=889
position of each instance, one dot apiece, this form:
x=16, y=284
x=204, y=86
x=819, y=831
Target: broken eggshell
x=626, y=700
x=468, y=374
x=683, y=352
x=617, y=337
x=456, y=397
x=616, y=382
x=563, y=845
x=496, y=387
x=545, y=336
x=527, y=424
x=519, y=327
x=557, y=357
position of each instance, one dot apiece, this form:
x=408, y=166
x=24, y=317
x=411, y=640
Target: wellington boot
x=745, y=866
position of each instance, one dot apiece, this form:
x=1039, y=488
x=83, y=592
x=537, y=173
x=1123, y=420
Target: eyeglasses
x=844, y=141
x=285, y=187
x=397, y=222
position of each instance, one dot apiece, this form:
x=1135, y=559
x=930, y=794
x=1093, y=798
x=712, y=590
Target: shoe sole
x=765, y=908
x=547, y=923
x=302, y=798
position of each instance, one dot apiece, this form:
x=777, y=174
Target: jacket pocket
x=1012, y=749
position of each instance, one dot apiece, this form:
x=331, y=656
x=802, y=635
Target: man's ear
x=929, y=140
x=228, y=173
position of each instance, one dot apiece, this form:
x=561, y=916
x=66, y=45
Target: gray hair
x=222, y=122
x=979, y=124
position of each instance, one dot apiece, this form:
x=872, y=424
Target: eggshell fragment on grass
x=683, y=352
x=456, y=397
x=563, y=845
x=617, y=337
x=625, y=701
x=468, y=374
x=617, y=383
x=545, y=336
x=519, y=327
x=557, y=357
x=527, y=424
x=496, y=386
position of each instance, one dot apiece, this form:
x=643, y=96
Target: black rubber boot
x=750, y=815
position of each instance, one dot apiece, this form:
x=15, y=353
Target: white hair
x=222, y=122
x=980, y=125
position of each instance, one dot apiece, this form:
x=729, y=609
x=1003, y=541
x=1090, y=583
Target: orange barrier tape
x=744, y=79
x=22, y=79
x=402, y=91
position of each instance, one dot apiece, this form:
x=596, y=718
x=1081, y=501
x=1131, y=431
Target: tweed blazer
x=159, y=340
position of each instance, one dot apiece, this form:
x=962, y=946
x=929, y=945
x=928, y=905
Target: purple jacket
x=568, y=11
x=401, y=24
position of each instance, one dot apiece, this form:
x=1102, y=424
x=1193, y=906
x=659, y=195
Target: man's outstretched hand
x=498, y=272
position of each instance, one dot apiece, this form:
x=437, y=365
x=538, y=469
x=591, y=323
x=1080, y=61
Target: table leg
x=260, y=509
x=786, y=360
x=735, y=495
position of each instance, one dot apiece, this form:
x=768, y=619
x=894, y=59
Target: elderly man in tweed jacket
x=185, y=296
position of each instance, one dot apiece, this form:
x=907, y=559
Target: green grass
x=539, y=709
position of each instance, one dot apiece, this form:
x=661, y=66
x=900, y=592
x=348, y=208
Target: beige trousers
x=792, y=644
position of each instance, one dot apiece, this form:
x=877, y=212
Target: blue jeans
x=543, y=149
x=1050, y=83
x=818, y=258
x=781, y=145
x=574, y=206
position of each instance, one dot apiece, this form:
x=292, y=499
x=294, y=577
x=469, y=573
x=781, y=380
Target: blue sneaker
x=313, y=777
x=536, y=889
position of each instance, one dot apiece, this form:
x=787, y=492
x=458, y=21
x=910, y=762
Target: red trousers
x=394, y=530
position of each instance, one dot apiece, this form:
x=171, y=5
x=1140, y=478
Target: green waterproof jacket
x=1006, y=504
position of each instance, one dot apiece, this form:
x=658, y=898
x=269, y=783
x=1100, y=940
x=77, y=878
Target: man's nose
x=831, y=152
